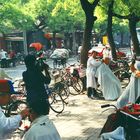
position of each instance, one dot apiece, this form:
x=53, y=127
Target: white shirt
x=8, y=125
x=3, y=54
x=79, y=49
x=42, y=129
x=92, y=64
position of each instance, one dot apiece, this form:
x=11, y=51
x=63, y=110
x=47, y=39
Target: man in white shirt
x=3, y=56
x=92, y=65
x=42, y=128
x=8, y=124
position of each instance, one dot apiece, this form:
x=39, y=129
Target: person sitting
x=8, y=124
x=109, y=83
x=34, y=80
x=42, y=128
x=132, y=91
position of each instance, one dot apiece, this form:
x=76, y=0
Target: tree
x=109, y=29
x=132, y=11
x=89, y=8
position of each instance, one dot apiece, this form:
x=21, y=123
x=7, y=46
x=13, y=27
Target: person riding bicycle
x=34, y=80
x=8, y=124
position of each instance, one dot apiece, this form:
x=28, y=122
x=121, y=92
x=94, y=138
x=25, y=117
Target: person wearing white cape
x=132, y=91
x=110, y=84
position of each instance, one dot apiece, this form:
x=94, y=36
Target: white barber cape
x=110, y=84
x=42, y=129
x=131, y=93
x=8, y=125
x=92, y=65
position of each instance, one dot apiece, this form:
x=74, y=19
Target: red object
x=133, y=109
x=48, y=36
x=118, y=53
x=38, y=46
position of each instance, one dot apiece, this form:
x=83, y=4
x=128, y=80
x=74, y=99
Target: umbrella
x=38, y=46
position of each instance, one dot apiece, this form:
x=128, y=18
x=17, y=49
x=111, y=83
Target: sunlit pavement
x=82, y=118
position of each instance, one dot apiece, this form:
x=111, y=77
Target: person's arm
x=46, y=79
x=95, y=63
x=10, y=124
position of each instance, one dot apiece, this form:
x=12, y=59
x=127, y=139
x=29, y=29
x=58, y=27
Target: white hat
x=137, y=65
x=95, y=49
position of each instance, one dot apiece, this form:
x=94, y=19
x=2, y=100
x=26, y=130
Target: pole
x=25, y=42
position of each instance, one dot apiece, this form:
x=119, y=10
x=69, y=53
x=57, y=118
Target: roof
x=14, y=38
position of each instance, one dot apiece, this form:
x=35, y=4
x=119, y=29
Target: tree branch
x=120, y=16
x=95, y=3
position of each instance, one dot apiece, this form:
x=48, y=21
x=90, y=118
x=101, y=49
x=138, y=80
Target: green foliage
x=66, y=16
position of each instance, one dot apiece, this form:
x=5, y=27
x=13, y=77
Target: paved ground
x=82, y=118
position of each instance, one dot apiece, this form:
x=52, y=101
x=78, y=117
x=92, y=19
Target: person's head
x=30, y=61
x=6, y=89
x=106, y=60
x=94, y=54
x=38, y=108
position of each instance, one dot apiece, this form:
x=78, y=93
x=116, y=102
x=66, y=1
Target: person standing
x=34, y=80
x=3, y=57
x=92, y=65
x=42, y=128
x=12, y=56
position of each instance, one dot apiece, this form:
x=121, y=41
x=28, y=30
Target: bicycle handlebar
x=106, y=105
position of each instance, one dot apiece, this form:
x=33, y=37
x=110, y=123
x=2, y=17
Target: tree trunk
x=132, y=27
x=109, y=30
x=54, y=40
x=86, y=42
x=122, y=36
x=90, y=18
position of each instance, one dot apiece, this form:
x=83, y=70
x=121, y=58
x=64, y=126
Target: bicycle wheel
x=123, y=76
x=58, y=103
x=76, y=86
x=15, y=108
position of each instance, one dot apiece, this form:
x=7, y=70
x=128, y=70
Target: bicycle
x=56, y=101
x=72, y=79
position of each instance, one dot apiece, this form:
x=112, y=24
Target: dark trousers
x=91, y=91
x=4, y=63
